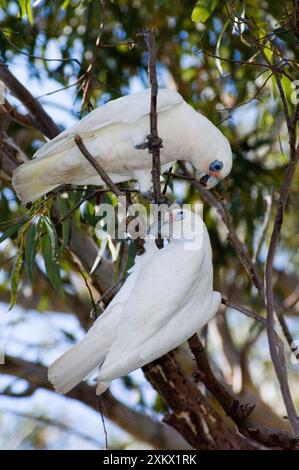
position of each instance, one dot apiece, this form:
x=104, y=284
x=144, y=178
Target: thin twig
x=154, y=142
x=102, y=173
x=244, y=310
x=264, y=228
x=276, y=350
x=46, y=421
x=139, y=242
x=89, y=73
x=168, y=179
x=101, y=405
x=214, y=200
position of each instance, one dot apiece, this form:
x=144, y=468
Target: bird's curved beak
x=209, y=180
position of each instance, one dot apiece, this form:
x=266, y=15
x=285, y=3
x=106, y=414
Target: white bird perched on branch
x=111, y=134
x=167, y=297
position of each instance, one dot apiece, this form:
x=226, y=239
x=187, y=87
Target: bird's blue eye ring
x=216, y=165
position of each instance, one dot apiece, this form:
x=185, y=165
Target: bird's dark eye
x=216, y=165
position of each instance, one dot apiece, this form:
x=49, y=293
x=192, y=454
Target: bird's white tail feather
x=77, y=363
x=30, y=179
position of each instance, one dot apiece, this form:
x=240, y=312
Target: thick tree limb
x=10, y=156
x=42, y=121
x=140, y=426
x=240, y=413
x=191, y=414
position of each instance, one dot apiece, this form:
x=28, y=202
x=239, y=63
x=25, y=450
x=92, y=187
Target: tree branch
x=240, y=413
x=275, y=345
x=192, y=415
x=42, y=121
x=140, y=426
x=102, y=173
x=154, y=141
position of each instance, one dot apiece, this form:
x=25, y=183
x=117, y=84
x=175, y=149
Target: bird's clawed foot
x=149, y=196
x=153, y=143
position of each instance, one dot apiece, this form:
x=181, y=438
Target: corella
x=167, y=297
x=114, y=134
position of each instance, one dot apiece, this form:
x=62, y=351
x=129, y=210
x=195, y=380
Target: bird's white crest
x=111, y=133
x=167, y=297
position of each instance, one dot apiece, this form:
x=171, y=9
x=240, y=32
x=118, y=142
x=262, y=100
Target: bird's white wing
x=163, y=288
x=125, y=291
x=127, y=109
x=73, y=366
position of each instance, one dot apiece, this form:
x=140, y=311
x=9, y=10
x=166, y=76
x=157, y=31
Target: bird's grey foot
x=150, y=196
x=164, y=199
x=151, y=144
x=142, y=146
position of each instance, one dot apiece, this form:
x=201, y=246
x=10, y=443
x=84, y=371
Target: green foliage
x=66, y=222
x=32, y=239
x=25, y=10
x=15, y=277
x=50, y=251
x=10, y=232
x=203, y=10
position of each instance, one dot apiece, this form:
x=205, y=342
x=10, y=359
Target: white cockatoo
x=167, y=297
x=112, y=132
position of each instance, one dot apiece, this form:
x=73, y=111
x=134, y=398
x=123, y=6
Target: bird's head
x=215, y=166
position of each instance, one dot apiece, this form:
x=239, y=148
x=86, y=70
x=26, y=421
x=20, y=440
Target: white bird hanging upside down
x=167, y=297
x=112, y=134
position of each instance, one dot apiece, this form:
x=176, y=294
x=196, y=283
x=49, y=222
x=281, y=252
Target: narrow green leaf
x=65, y=4
x=50, y=227
x=31, y=247
x=74, y=199
x=203, y=10
x=217, y=52
x=15, y=278
x=66, y=224
x=25, y=10
x=49, y=247
x=3, y=4
x=10, y=231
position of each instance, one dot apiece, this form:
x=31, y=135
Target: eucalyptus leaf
x=15, y=278
x=25, y=10
x=31, y=247
x=203, y=10
x=50, y=252
x=10, y=231
x=66, y=224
